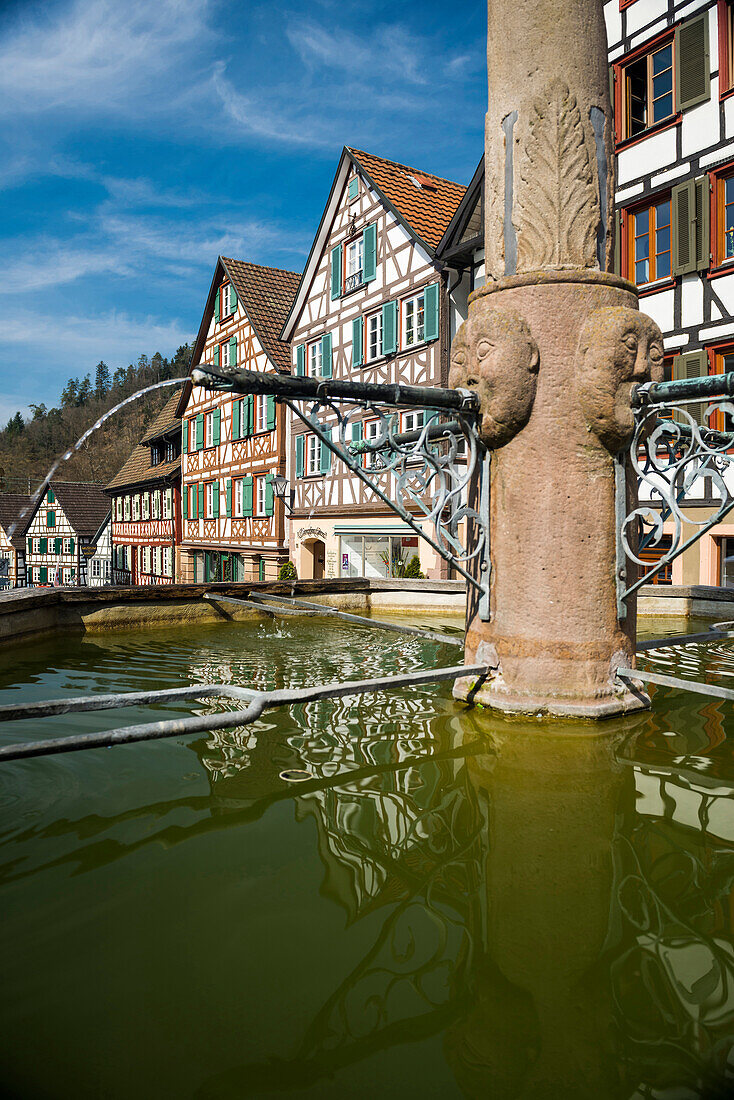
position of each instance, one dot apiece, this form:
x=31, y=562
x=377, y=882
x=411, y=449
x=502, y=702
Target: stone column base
x=494, y=693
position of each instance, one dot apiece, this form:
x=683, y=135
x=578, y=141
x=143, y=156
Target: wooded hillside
x=29, y=446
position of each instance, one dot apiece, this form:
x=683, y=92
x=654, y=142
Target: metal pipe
x=308, y=608
x=673, y=681
x=262, y=701
x=14, y=712
x=658, y=393
x=301, y=388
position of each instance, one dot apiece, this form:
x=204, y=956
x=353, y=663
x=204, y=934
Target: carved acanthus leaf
x=557, y=200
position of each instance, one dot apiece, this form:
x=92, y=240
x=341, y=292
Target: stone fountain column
x=554, y=345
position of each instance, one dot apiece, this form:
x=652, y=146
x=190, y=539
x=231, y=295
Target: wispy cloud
x=119, y=335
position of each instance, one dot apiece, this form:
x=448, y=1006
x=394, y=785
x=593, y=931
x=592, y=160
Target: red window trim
x=718, y=267
x=622, y=63
x=625, y=4
x=726, y=79
x=624, y=261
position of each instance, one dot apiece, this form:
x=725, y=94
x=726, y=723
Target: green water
x=451, y=906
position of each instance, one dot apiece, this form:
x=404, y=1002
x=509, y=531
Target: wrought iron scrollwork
x=669, y=453
x=426, y=471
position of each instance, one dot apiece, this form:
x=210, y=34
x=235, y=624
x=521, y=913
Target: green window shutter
x=269, y=495
x=430, y=297
x=271, y=412
x=30, y=546
x=301, y=359
x=228, y=495
x=249, y=415
x=693, y=364
x=247, y=495
x=200, y=432
x=185, y=496
x=357, y=432
x=232, y=298
x=682, y=213
x=336, y=272
x=389, y=328
x=216, y=306
x=702, y=212
x=299, y=456
x=194, y=501
x=71, y=546
x=233, y=351
x=237, y=419
x=611, y=88
x=325, y=454
x=44, y=574
x=57, y=546
x=185, y=437
x=692, y=63
x=44, y=546
x=261, y=569
x=353, y=188
x=369, y=253
x=51, y=497
x=357, y=342
x=215, y=500
x=326, y=355
x=217, y=427
x=200, y=495
x=617, y=242
x=216, y=356
x=50, y=519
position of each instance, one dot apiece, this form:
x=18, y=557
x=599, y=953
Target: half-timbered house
x=13, y=519
x=62, y=524
x=234, y=526
x=372, y=305
x=146, y=504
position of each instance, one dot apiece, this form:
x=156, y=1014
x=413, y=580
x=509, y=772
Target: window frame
x=238, y=497
x=725, y=35
x=312, y=449
x=370, y=458
x=225, y=289
x=374, y=316
x=309, y=349
x=260, y=489
x=628, y=215
x=208, y=429
x=224, y=353
x=357, y=241
x=620, y=109
x=209, y=500
x=261, y=413
x=403, y=345
x=717, y=182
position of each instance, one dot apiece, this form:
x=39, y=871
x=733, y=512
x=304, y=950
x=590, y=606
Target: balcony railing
x=353, y=281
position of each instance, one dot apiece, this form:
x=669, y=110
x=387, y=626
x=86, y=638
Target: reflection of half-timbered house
x=63, y=524
x=12, y=539
x=373, y=306
x=146, y=504
x=233, y=524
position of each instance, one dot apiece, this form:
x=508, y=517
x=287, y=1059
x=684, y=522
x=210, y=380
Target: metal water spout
x=554, y=346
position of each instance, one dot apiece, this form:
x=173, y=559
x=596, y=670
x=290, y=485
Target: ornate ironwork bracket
x=422, y=475
x=669, y=453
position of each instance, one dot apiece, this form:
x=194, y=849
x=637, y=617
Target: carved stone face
x=495, y=355
x=619, y=348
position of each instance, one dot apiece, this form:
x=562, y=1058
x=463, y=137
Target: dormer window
x=155, y=455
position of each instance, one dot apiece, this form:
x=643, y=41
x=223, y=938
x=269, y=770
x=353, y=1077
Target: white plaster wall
x=613, y=20
x=644, y=12
x=660, y=308
x=700, y=125
x=691, y=301
x=654, y=152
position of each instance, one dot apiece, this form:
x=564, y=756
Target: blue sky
x=139, y=139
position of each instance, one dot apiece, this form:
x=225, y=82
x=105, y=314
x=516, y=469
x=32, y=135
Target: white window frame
x=239, y=497
x=224, y=354
x=373, y=323
x=225, y=309
x=136, y=506
x=128, y=507
x=371, y=430
x=416, y=305
x=313, y=455
x=191, y=429
x=315, y=359
x=167, y=503
x=354, y=257
x=261, y=412
x=209, y=500
x=146, y=505
x=260, y=495
x=412, y=421
x=209, y=429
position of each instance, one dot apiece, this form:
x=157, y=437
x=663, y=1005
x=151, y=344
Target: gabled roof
x=166, y=423
x=12, y=506
x=138, y=468
x=465, y=228
x=84, y=503
x=266, y=294
x=423, y=203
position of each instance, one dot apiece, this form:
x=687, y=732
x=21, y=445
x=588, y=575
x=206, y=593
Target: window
x=193, y=502
x=226, y=300
x=726, y=45
x=146, y=506
x=373, y=326
x=647, y=91
x=412, y=421
x=649, y=243
x=261, y=413
x=723, y=244
x=313, y=455
x=209, y=498
x=372, y=460
x=127, y=508
x=414, y=320
x=238, y=497
x=315, y=358
x=191, y=429
x=68, y=546
x=136, y=507
x=353, y=263
x=209, y=429
x=96, y=570
x=261, y=496
x=170, y=451
x=167, y=503
x=155, y=455
x=155, y=504
x=224, y=354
